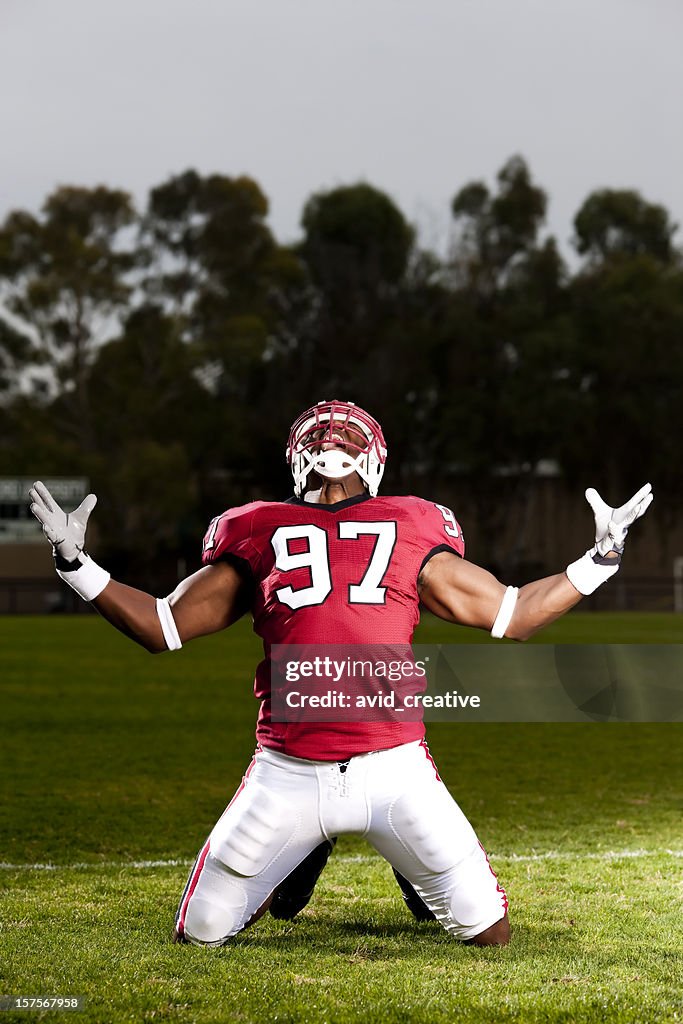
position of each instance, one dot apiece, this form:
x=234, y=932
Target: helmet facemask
x=363, y=453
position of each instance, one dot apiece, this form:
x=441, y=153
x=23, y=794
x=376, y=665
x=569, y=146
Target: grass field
x=116, y=764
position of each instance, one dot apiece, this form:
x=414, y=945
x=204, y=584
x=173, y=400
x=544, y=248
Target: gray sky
x=415, y=96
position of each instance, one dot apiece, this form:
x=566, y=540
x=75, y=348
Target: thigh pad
x=254, y=831
x=428, y=823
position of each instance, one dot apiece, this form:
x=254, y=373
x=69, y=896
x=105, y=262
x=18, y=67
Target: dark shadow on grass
x=326, y=936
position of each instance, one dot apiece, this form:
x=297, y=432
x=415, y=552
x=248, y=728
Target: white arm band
x=505, y=612
x=168, y=626
x=89, y=580
x=589, y=571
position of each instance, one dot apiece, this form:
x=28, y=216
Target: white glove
x=612, y=524
x=66, y=530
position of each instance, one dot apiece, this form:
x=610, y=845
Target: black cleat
x=295, y=891
x=415, y=904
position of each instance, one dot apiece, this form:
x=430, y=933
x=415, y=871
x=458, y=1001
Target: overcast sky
x=415, y=96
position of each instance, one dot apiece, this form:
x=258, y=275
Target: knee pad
x=217, y=909
x=207, y=925
x=471, y=900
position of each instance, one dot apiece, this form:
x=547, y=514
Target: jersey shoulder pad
x=230, y=533
x=436, y=524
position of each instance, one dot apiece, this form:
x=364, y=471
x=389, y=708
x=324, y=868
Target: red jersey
x=332, y=574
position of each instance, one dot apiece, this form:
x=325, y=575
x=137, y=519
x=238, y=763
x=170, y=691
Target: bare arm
x=206, y=602
x=459, y=591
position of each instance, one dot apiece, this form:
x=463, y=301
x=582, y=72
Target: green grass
x=111, y=757
x=574, y=628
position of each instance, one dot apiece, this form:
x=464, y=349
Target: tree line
x=164, y=352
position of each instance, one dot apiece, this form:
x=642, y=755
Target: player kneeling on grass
x=336, y=563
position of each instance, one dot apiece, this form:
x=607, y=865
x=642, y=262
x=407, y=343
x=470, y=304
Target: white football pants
x=286, y=806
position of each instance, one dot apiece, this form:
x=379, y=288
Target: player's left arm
x=458, y=591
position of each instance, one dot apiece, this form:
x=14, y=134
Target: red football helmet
x=315, y=429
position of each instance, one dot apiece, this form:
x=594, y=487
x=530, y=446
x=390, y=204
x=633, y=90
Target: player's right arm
x=208, y=601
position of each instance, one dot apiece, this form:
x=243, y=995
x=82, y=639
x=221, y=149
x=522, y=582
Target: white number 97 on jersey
x=450, y=525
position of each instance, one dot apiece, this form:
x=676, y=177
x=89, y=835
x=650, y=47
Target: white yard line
x=90, y=865
x=142, y=865
x=604, y=855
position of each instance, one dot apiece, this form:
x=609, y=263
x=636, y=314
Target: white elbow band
x=88, y=580
x=591, y=570
x=168, y=626
x=505, y=612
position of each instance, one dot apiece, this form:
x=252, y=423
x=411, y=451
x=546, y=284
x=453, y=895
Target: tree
x=629, y=317
x=356, y=249
x=493, y=232
x=155, y=432
x=65, y=278
x=505, y=352
x=627, y=306
x=357, y=242
x=213, y=263
x=18, y=352
x=211, y=255
x=613, y=223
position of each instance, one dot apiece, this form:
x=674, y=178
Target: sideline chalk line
x=515, y=858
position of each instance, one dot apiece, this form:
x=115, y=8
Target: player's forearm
x=134, y=613
x=540, y=603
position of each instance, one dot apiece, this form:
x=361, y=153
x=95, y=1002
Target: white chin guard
x=334, y=465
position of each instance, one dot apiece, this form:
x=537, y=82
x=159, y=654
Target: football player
x=336, y=563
